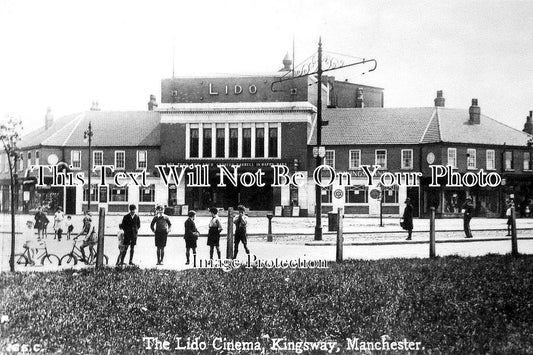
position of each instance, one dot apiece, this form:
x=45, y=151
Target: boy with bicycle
x=90, y=239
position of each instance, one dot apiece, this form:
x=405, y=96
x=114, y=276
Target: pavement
x=293, y=239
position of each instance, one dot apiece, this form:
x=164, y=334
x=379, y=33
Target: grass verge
x=451, y=305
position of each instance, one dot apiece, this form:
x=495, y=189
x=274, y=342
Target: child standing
x=121, y=246
x=213, y=236
x=191, y=236
x=69, y=227
x=30, y=241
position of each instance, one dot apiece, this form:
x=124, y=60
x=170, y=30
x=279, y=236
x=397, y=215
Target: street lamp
x=88, y=137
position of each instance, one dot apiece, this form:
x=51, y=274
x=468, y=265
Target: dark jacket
x=191, y=233
x=40, y=220
x=469, y=208
x=160, y=224
x=408, y=217
x=131, y=225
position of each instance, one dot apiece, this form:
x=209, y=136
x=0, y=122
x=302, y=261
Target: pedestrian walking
x=241, y=222
x=408, y=218
x=468, y=208
x=213, y=236
x=161, y=227
x=59, y=216
x=191, y=236
x=131, y=225
x=509, y=215
x=41, y=221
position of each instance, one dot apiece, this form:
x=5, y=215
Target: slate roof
x=410, y=126
x=110, y=128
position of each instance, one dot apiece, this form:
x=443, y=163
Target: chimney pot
x=528, y=126
x=475, y=113
x=152, y=103
x=94, y=106
x=48, y=119
x=439, y=100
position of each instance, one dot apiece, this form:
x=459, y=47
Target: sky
x=67, y=54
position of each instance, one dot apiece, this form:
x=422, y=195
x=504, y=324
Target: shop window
x=120, y=159
x=491, y=159
x=527, y=161
x=471, y=158
x=390, y=194
x=509, y=161
x=329, y=158
x=246, y=142
x=381, y=158
x=172, y=195
x=220, y=142
x=453, y=200
x=452, y=157
x=407, y=159
x=233, y=142
x=75, y=159
x=357, y=194
x=103, y=194
x=141, y=159
x=193, y=143
x=207, y=142
x=98, y=158
x=147, y=194
x=94, y=193
x=118, y=194
x=260, y=142
x=355, y=158
x=325, y=194
x=273, y=142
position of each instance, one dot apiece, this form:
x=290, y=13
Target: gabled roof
x=110, y=129
x=366, y=126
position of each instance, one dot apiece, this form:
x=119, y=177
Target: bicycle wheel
x=21, y=259
x=48, y=259
x=68, y=260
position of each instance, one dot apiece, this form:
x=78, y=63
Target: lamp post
x=88, y=137
x=319, y=158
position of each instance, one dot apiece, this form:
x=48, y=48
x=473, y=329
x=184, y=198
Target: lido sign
x=233, y=89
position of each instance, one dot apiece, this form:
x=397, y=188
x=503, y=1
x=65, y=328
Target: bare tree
x=10, y=135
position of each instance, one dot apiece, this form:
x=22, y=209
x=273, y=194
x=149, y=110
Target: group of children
x=161, y=227
x=61, y=224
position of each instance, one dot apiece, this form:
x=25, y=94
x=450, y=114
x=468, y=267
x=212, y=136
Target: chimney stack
x=475, y=112
x=48, y=119
x=359, y=98
x=528, y=126
x=95, y=106
x=152, y=103
x=439, y=100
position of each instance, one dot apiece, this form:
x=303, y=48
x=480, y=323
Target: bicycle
x=74, y=255
x=45, y=257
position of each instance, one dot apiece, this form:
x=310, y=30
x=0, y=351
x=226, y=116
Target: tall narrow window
x=260, y=142
x=75, y=159
x=220, y=142
x=527, y=161
x=407, y=158
x=452, y=157
x=29, y=159
x=98, y=158
x=193, y=143
x=36, y=157
x=207, y=143
x=329, y=158
x=233, y=142
x=246, y=142
x=141, y=159
x=120, y=159
x=491, y=160
x=471, y=158
x=273, y=142
x=381, y=158
x=355, y=159
x=509, y=162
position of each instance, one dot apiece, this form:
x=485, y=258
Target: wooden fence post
x=229, y=242
x=432, y=233
x=101, y=232
x=514, y=241
x=340, y=238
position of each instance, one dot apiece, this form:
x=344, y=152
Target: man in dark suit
x=468, y=209
x=130, y=224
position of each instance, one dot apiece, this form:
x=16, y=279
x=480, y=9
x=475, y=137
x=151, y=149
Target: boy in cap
x=191, y=236
x=161, y=227
x=240, y=221
x=131, y=225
